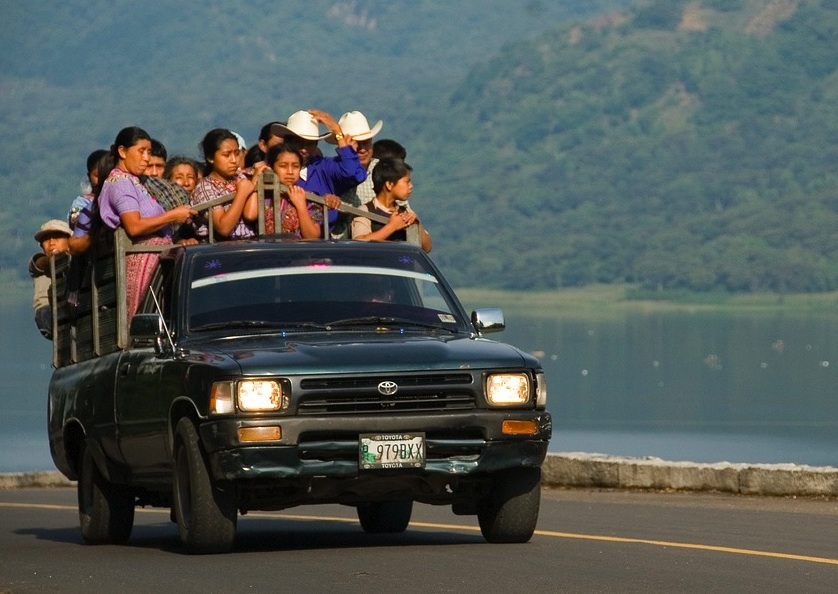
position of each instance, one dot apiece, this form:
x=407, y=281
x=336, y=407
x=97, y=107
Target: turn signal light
x=511, y=427
x=251, y=434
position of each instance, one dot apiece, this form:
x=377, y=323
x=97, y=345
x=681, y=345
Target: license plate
x=391, y=450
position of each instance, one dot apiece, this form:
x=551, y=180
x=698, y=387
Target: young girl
x=299, y=216
x=223, y=176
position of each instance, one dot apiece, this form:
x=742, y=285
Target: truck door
x=141, y=416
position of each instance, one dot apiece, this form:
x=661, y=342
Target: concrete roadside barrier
x=586, y=470
x=26, y=480
x=578, y=469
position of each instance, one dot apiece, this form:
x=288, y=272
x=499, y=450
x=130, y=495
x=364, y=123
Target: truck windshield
x=289, y=292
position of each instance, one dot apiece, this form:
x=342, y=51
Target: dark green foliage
x=677, y=153
x=74, y=73
x=696, y=159
x=660, y=14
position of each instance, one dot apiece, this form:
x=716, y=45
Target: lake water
x=697, y=387
x=703, y=387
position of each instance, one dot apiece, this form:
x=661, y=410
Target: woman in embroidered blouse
x=125, y=202
x=222, y=176
x=299, y=216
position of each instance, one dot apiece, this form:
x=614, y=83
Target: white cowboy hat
x=354, y=124
x=302, y=124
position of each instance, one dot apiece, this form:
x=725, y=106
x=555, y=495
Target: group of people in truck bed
x=134, y=186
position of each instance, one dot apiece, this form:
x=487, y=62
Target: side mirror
x=488, y=319
x=149, y=330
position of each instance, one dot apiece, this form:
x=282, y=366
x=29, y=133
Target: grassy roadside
x=591, y=300
x=620, y=299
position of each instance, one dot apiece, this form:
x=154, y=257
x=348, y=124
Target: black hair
x=265, y=133
x=276, y=150
x=128, y=137
x=104, y=165
x=253, y=155
x=388, y=170
x=158, y=149
x=180, y=160
x=211, y=142
x=93, y=159
x=388, y=149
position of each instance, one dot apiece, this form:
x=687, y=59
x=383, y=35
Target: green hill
x=677, y=144
x=682, y=145
x=73, y=73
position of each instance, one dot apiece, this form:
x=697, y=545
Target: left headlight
x=249, y=395
x=507, y=389
x=260, y=396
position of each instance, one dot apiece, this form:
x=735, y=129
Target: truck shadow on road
x=267, y=535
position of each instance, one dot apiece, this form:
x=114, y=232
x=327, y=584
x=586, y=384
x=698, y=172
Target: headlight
x=507, y=389
x=250, y=395
x=260, y=395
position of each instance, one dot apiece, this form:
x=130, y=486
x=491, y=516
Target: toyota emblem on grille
x=388, y=388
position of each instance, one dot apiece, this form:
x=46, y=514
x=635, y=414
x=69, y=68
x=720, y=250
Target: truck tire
x=385, y=517
x=509, y=514
x=106, y=511
x=205, y=509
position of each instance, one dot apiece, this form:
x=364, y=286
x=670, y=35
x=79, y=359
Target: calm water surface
x=698, y=387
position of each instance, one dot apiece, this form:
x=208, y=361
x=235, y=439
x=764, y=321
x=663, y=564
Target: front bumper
x=456, y=445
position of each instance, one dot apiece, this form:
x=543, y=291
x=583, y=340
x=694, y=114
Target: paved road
x=587, y=541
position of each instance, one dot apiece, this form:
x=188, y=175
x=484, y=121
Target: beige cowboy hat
x=354, y=124
x=302, y=124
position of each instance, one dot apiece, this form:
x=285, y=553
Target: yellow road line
x=687, y=545
x=461, y=527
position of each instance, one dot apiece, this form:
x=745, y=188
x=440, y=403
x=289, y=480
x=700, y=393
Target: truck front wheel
x=106, y=511
x=205, y=509
x=509, y=513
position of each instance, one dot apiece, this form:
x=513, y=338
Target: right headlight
x=507, y=389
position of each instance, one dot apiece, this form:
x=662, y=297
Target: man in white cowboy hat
x=355, y=125
x=325, y=176
x=53, y=237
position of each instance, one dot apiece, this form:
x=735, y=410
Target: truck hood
x=361, y=353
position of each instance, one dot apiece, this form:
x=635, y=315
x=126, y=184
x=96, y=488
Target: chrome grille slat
x=360, y=395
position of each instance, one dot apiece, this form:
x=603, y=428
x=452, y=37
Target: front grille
x=360, y=395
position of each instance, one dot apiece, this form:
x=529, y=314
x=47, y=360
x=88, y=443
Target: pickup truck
x=266, y=374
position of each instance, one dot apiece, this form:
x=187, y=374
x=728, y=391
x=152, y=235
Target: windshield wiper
x=240, y=324
x=384, y=321
x=236, y=324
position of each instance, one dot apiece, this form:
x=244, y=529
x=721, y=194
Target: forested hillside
x=687, y=144
x=682, y=144
x=73, y=73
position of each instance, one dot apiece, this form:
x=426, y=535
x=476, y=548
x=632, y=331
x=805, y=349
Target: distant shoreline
x=602, y=300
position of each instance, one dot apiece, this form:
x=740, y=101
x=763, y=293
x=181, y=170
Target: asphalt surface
x=587, y=541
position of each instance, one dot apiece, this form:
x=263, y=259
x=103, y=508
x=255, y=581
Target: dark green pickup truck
x=269, y=374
